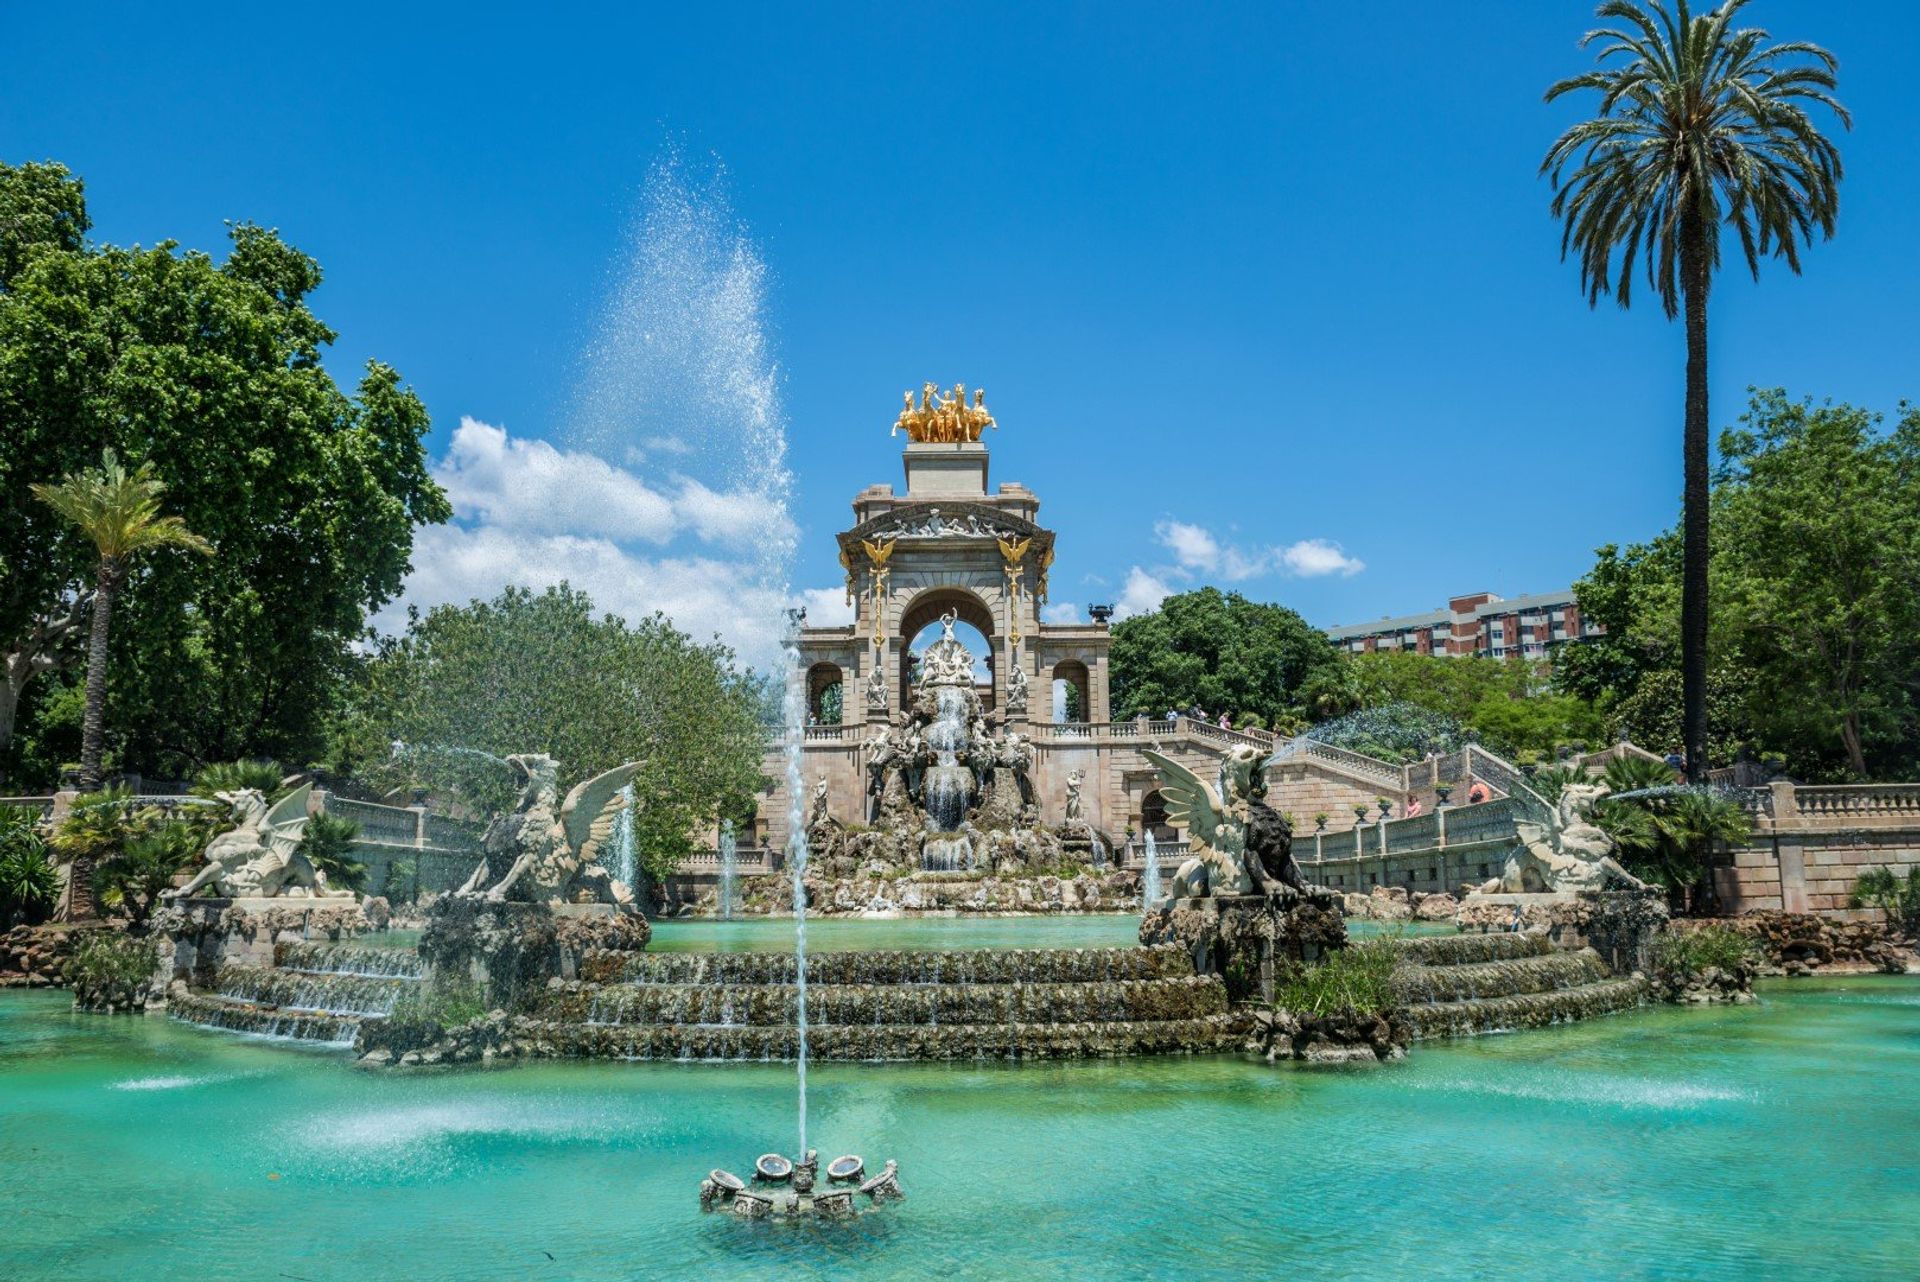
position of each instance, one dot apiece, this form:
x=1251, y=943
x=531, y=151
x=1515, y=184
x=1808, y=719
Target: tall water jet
x=796, y=710
x=624, y=862
x=1150, y=879
x=729, y=863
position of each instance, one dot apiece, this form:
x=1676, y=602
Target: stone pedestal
x=510, y=950
x=1620, y=925
x=197, y=936
x=1242, y=938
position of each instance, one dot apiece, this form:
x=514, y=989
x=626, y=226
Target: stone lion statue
x=548, y=850
x=260, y=855
x=1571, y=853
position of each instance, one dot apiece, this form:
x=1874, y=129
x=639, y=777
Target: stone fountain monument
x=945, y=792
x=1239, y=903
x=541, y=896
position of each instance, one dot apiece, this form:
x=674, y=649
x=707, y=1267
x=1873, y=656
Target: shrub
x=328, y=844
x=423, y=1015
x=29, y=884
x=1898, y=897
x=235, y=776
x=1686, y=953
x=133, y=877
x=110, y=971
x=1357, y=978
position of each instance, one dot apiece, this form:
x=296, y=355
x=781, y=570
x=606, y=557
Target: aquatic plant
x=109, y=971
x=1896, y=896
x=1357, y=978
x=1689, y=952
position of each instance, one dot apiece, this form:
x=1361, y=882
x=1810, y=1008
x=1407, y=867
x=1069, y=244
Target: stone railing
x=42, y=804
x=1875, y=800
x=380, y=825
x=748, y=861
x=1357, y=763
x=1168, y=854
x=834, y=733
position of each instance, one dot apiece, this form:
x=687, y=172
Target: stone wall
x=1811, y=844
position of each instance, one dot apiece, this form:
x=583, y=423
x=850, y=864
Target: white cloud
x=826, y=607
x=1312, y=558
x=1193, y=546
x=1143, y=593
x=1060, y=612
x=1199, y=550
x=530, y=515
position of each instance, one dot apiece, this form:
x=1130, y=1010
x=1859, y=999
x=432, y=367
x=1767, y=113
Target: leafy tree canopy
x=539, y=672
x=1816, y=528
x=1219, y=651
x=210, y=372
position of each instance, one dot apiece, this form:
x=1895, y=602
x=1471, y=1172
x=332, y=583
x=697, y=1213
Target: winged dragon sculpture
x=546, y=849
x=1241, y=845
x=260, y=855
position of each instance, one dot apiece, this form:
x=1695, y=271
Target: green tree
x=98, y=827
x=1702, y=126
x=119, y=513
x=212, y=374
x=539, y=672
x=1220, y=651
x=327, y=842
x=1817, y=519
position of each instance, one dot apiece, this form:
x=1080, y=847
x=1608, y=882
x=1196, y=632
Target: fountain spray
x=796, y=712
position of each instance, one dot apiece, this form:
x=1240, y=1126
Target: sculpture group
x=944, y=418
x=1568, y=853
x=548, y=850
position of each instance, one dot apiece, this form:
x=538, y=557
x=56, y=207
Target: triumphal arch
x=951, y=546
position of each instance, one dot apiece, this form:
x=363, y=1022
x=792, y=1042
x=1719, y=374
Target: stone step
x=1461, y=950
x=349, y=959
x=209, y=1011
x=1525, y=1010
x=764, y=1005
x=880, y=1041
x=333, y=992
x=1555, y=971
x=973, y=966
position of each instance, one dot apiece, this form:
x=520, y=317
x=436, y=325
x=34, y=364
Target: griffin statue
x=535, y=854
x=1241, y=845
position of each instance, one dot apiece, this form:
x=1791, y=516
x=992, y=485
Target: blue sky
x=1243, y=283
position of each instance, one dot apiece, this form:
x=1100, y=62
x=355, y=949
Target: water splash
x=729, y=863
x=1150, y=879
x=796, y=709
x=625, y=865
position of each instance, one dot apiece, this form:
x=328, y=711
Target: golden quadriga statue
x=944, y=417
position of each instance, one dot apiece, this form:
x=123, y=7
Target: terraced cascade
x=314, y=992
x=1458, y=985
x=985, y=1004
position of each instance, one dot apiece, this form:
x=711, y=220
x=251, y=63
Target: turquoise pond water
x=1773, y=1142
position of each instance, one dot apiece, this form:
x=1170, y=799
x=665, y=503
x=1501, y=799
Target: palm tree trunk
x=1696, y=276
x=93, y=726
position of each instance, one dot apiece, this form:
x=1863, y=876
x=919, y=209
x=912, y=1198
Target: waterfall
x=626, y=858
x=727, y=863
x=949, y=785
x=1150, y=879
x=796, y=709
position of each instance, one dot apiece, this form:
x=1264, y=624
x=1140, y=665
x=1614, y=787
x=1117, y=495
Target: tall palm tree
x=119, y=511
x=1701, y=127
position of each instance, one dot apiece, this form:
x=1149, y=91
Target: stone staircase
x=986, y=1004
x=313, y=992
x=1458, y=985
